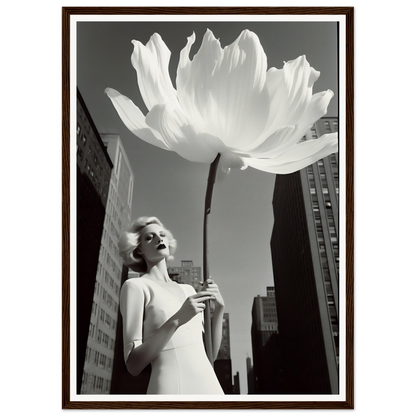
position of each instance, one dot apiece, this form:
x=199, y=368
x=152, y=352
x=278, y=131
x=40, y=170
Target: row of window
x=108, y=278
x=321, y=243
x=111, y=262
x=101, y=337
x=100, y=360
x=105, y=317
x=93, y=384
x=107, y=298
x=115, y=209
x=194, y=272
x=95, y=171
x=105, y=257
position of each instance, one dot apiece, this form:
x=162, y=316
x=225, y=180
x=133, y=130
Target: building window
x=118, y=163
x=327, y=126
x=91, y=331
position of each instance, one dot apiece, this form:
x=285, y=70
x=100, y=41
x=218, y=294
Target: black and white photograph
x=210, y=241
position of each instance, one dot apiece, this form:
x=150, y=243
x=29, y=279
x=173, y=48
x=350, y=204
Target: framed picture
x=150, y=96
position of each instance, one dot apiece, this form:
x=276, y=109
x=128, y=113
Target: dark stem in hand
x=208, y=198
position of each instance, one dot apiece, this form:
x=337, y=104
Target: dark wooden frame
x=349, y=72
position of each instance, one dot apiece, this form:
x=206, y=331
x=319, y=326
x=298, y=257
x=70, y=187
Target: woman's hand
x=192, y=306
x=217, y=318
x=212, y=288
x=147, y=351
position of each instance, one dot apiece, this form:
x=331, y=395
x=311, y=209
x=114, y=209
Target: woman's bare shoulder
x=135, y=282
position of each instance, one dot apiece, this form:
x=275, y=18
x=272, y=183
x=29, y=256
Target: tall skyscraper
x=305, y=255
x=250, y=377
x=224, y=352
x=236, y=383
x=99, y=355
x=93, y=180
x=223, y=364
x=266, y=345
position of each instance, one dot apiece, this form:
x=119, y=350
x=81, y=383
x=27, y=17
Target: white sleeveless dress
x=182, y=367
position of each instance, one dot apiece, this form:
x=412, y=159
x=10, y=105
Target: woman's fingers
x=202, y=297
x=210, y=287
x=207, y=283
x=205, y=298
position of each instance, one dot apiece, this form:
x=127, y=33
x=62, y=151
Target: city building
x=236, y=383
x=305, y=257
x=250, y=377
x=186, y=273
x=99, y=356
x=223, y=365
x=265, y=343
x=94, y=168
x=224, y=352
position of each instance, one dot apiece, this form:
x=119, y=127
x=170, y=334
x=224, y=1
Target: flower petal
x=317, y=108
x=193, y=79
x=222, y=90
x=242, y=104
x=290, y=91
x=181, y=136
x=275, y=144
x=299, y=79
x=227, y=162
x=134, y=119
x=298, y=156
x=151, y=63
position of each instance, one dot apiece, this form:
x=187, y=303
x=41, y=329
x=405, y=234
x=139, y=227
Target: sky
x=172, y=188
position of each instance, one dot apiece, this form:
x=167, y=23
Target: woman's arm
x=132, y=304
x=216, y=323
x=144, y=353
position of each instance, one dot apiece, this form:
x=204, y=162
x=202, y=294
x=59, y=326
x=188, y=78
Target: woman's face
x=154, y=244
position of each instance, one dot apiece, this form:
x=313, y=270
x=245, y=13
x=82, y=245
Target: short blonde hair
x=130, y=241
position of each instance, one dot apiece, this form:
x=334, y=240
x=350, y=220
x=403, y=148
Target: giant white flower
x=227, y=108
x=227, y=102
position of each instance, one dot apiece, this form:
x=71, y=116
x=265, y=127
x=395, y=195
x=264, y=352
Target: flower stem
x=207, y=311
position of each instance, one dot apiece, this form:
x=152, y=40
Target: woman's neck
x=158, y=272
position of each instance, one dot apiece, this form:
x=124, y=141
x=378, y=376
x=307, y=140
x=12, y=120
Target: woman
x=162, y=320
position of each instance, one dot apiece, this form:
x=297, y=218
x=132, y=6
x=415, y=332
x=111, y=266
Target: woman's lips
x=161, y=246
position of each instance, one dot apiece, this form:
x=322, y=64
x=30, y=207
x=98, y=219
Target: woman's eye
x=149, y=237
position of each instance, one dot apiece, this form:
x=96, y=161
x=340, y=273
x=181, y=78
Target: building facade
x=99, y=356
x=250, y=377
x=223, y=364
x=305, y=256
x=94, y=168
x=236, y=384
x=265, y=341
x=186, y=273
